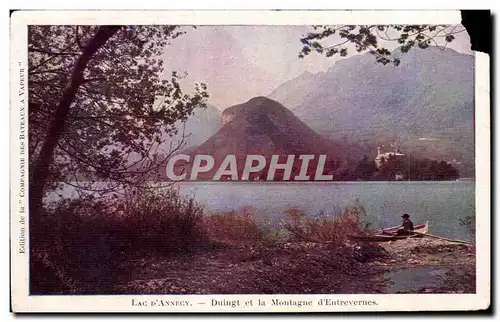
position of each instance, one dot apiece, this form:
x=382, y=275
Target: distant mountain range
x=425, y=106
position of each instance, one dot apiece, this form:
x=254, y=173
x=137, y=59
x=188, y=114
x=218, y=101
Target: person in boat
x=406, y=226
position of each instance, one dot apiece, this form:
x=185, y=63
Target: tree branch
x=78, y=40
x=48, y=52
x=41, y=169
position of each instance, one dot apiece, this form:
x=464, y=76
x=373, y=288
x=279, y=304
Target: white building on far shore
x=385, y=156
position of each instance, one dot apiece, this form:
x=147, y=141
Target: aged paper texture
x=248, y=161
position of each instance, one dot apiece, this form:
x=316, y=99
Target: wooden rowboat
x=389, y=234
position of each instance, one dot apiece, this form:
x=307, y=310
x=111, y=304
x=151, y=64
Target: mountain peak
x=255, y=104
x=260, y=100
x=265, y=127
x=431, y=50
x=430, y=93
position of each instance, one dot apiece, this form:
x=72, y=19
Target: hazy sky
x=240, y=62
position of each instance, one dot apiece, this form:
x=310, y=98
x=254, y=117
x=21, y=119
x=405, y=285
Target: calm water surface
x=443, y=203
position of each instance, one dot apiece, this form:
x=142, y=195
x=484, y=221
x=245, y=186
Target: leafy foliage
x=404, y=168
x=233, y=227
x=365, y=169
x=121, y=109
x=367, y=38
x=86, y=241
x=322, y=228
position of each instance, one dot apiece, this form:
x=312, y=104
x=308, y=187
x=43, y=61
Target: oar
x=443, y=238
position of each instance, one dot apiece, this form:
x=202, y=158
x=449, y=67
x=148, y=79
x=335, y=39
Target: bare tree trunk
x=40, y=172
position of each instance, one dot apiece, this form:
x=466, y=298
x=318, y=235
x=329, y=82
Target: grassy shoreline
x=163, y=243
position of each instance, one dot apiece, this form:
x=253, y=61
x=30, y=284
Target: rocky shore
x=440, y=266
x=418, y=265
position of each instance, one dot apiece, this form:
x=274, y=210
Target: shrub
x=232, y=227
x=322, y=228
x=84, y=243
x=77, y=245
x=162, y=221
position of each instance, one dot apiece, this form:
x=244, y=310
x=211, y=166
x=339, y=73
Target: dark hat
x=405, y=216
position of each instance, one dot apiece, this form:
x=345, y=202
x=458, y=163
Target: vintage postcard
x=248, y=161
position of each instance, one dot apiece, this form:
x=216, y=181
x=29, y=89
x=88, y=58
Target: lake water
x=414, y=278
x=443, y=203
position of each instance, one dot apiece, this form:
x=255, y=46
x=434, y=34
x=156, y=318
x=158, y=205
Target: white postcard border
x=22, y=302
